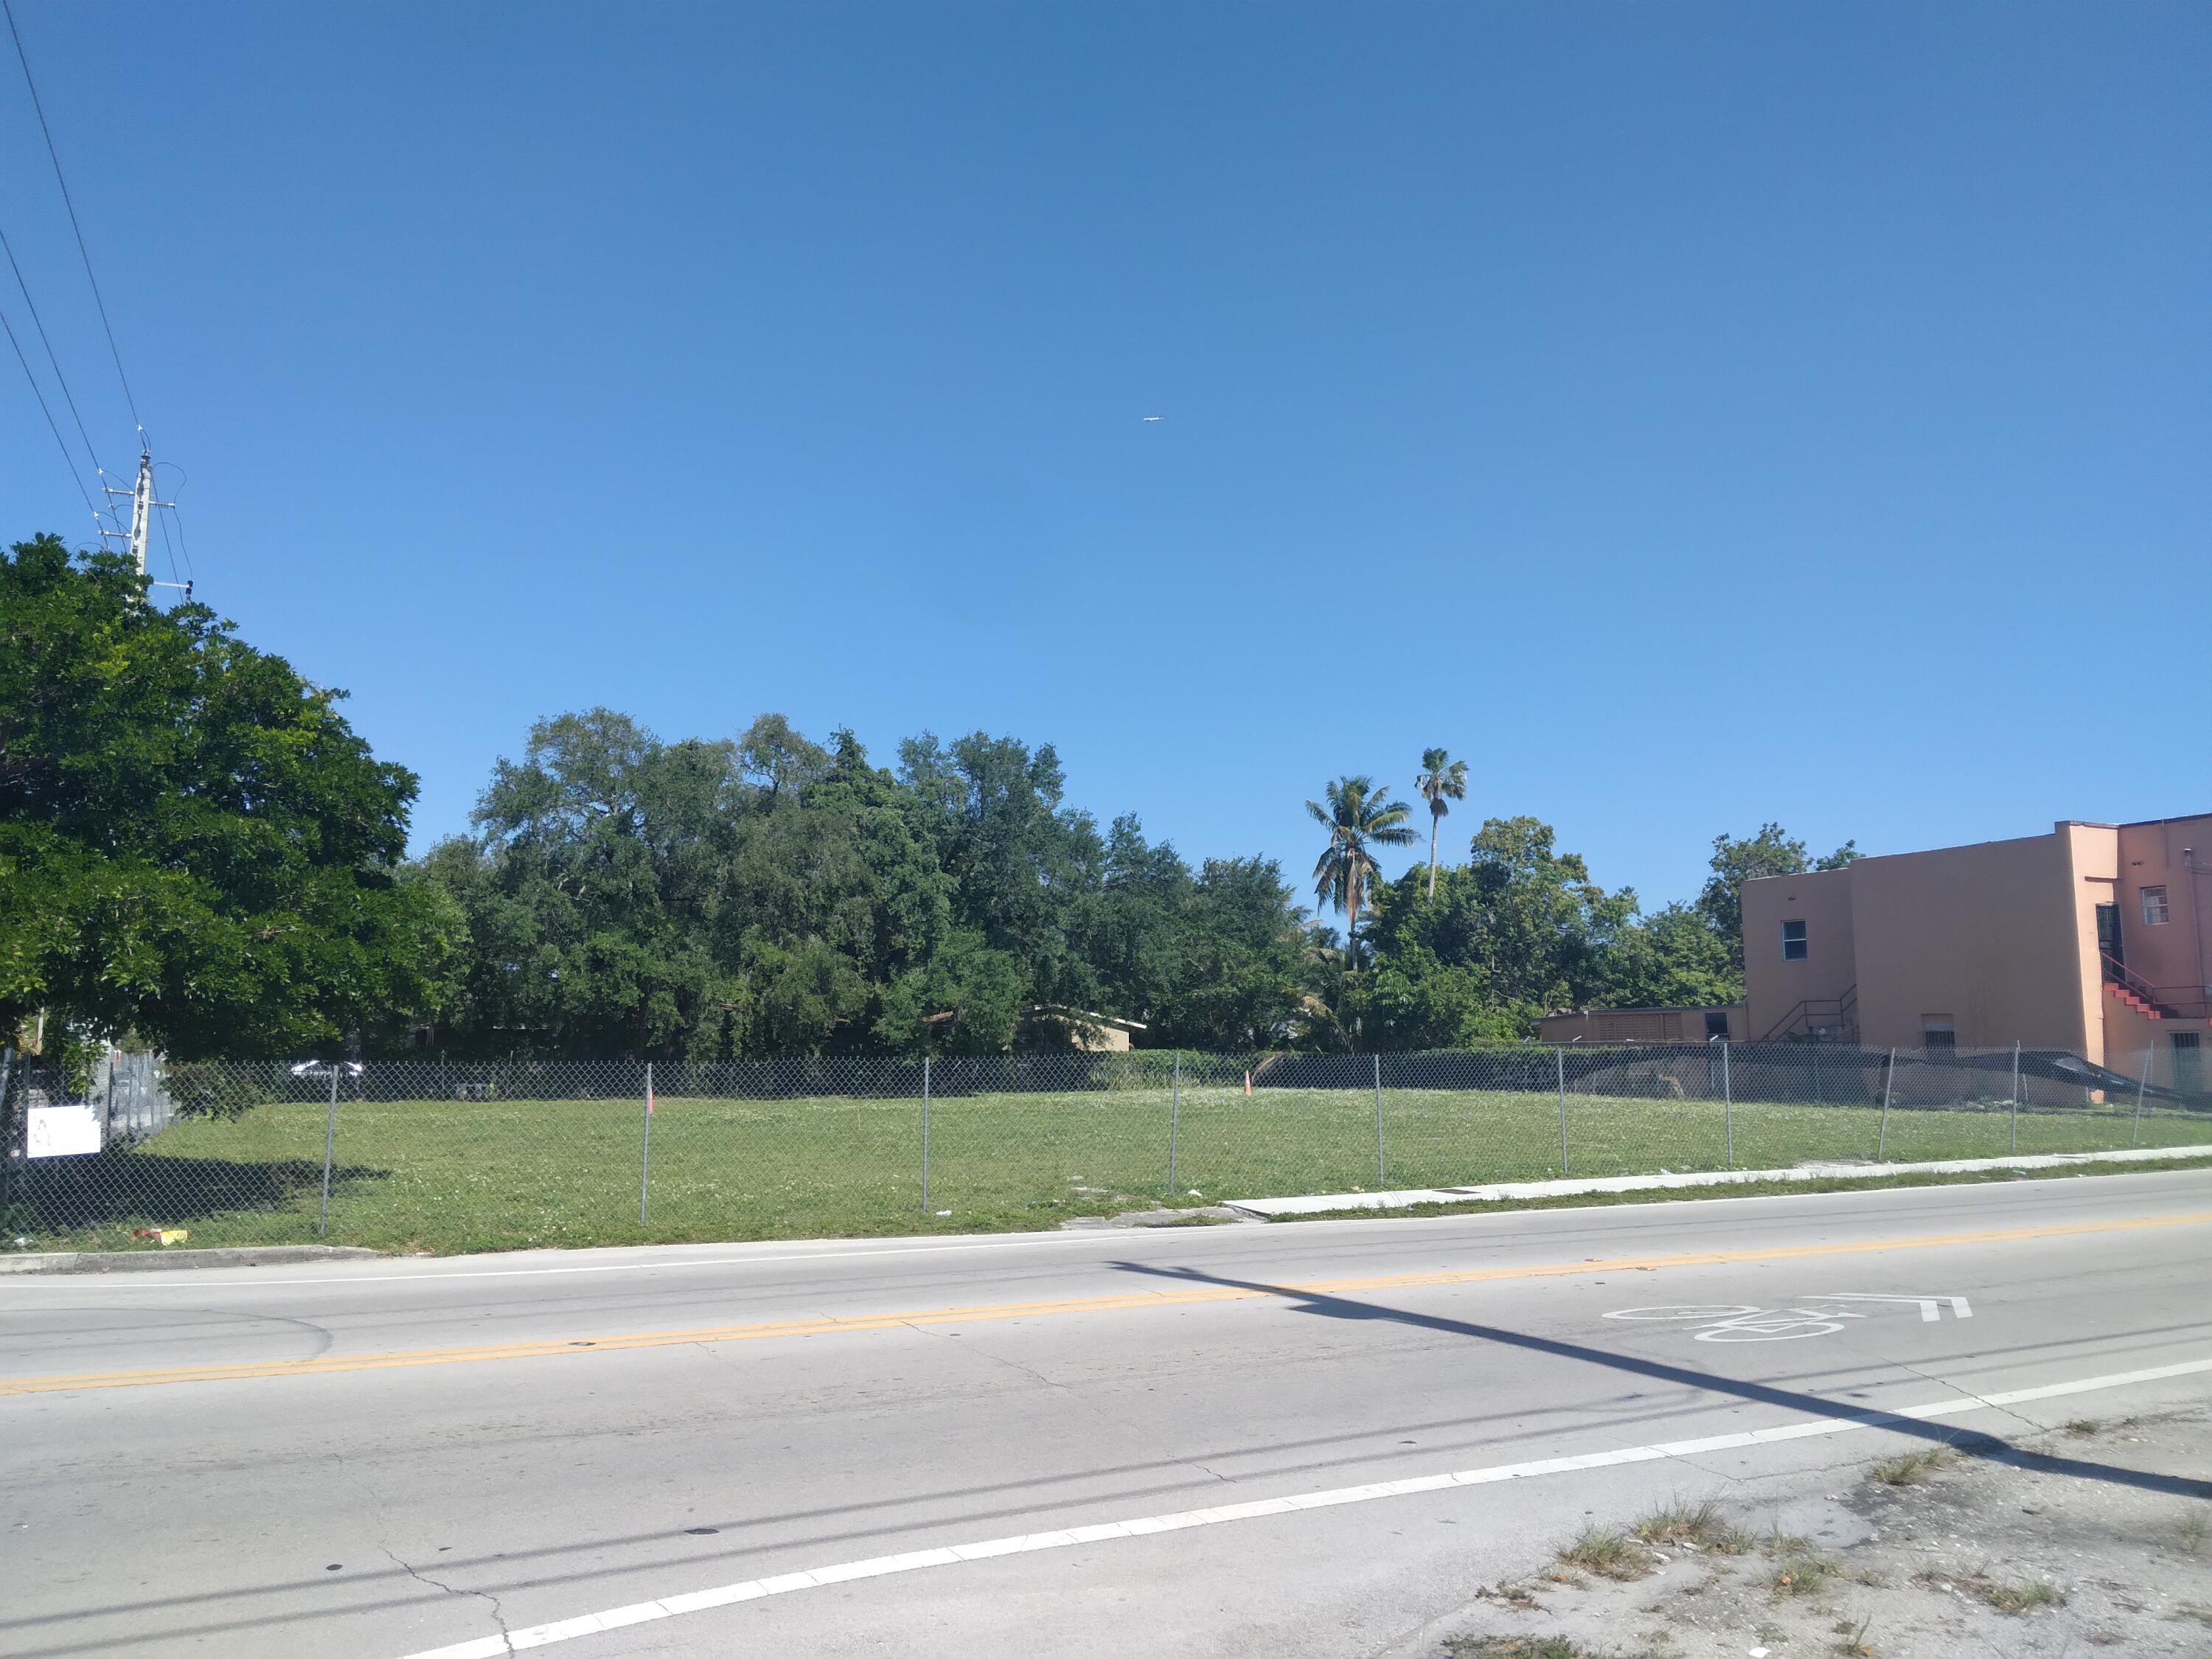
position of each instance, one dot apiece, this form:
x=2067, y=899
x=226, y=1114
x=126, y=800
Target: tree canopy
x=769, y=895
x=194, y=844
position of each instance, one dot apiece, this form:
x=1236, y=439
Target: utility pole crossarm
x=142, y=515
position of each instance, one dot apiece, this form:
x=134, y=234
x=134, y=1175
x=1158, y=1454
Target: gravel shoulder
x=1926, y=1555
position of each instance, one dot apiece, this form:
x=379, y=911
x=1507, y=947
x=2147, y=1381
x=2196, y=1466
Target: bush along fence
x=424, y=1154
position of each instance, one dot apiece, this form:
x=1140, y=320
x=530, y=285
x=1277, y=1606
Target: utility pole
x=142, y=517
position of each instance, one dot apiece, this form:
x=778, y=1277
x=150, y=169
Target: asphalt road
x=389, y=1458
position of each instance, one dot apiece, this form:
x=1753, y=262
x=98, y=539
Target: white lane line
x=671, y=1607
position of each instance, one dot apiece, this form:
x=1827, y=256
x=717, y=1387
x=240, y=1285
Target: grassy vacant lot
x=467, y=1175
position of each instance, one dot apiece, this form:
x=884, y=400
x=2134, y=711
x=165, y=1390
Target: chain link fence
x=442, y=1156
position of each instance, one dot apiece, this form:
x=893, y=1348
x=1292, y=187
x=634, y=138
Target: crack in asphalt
x=1031, y=1372
x=2018, y=1417
x=498, y=1612
x=376, y=1504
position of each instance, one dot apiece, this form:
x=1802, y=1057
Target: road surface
x=1287, y=1439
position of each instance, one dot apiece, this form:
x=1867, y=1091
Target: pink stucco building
x=2095, y=939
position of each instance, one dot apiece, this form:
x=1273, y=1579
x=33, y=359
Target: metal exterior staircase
x=1819, y=1019
x=2133, y=991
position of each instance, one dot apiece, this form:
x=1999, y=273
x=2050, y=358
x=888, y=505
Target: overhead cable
x=53, y=427
x=84, y=252
x=52, y=361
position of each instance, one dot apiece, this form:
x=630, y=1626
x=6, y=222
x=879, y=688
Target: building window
x=1793, y=941
x=2153, y=904
x=1717, y=1025
x=1936, y=1031
x=2188, y=1063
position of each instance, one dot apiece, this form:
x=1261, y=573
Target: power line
x=68, y=460
x=84, y=252
x=54, y=361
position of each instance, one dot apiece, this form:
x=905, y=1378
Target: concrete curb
x=1268, y=1208
x=139, y=1261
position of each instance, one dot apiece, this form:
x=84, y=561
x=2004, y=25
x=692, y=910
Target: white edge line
x=591, y=1624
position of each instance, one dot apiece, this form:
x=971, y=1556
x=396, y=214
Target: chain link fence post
x=330, y=1145
x=645, y=1146
x=1561, y=1058
x=1379, y=1176
x=925, y=1134
x=1175, y=1121
x=2012, y=1143
x=2135, y=1134
x=8, y=1133
x=1728, y=1103
x=1882, y=1135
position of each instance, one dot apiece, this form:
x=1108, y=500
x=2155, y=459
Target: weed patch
x=1910, y=1467
x=1607, y=1551
x=1516, y=1647
x=2196, y=1525
x=1799, y=1569
x=1694, y=1526
x=2009, y=1598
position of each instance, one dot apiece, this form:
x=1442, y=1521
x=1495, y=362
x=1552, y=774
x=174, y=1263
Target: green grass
x=466, y=1175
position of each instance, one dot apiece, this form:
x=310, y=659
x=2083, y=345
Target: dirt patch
x=1943, y=1556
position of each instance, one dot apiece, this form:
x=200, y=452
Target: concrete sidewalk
x=1330, y=1203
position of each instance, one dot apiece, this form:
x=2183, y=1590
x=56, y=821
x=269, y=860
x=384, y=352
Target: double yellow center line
x=331, y=1364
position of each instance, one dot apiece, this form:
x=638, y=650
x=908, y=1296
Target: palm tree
x=1442, y=778
x=1357, y=816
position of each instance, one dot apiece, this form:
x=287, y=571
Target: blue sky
x=1689, y=415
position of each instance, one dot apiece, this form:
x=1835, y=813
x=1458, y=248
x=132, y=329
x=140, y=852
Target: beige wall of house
x=2166, y=855
x=1775, y=987
x=2093, y=850
x=1987, y=938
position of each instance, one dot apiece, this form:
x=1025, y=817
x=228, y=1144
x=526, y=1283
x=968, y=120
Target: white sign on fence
x=64, y=1131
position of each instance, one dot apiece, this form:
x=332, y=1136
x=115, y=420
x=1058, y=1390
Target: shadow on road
x=1995, y=1448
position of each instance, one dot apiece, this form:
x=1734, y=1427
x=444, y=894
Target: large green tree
x=1670, y=959
x=1023, y=865
x=1517, y=930
x=703, y=899
x=587, y=889
x=194, y=844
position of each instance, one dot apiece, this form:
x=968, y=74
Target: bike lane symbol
x=1743, y=1323
x=1732, y=1322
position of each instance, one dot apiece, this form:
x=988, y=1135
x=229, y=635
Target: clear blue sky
x=1691, y=414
